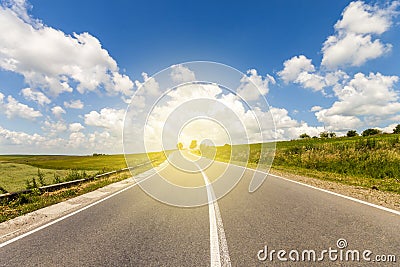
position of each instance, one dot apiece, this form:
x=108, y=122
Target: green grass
x=30, y=202
x=96, y=163
x=16, y=169
x=26, y=203
x=362, y=161
x=13, y=176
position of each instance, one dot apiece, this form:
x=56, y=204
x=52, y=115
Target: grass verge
x=26, y=203
x=370, y=162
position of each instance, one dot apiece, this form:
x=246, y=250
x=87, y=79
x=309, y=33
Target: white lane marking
x=340, y=195
x=70, y=214
x=324, y=190
x=218, y=244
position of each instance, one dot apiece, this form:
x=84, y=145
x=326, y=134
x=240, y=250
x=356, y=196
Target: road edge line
x=340, y=195
x=323, y=190
x=70, y=214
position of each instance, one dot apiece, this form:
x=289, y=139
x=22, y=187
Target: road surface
x=134, y=229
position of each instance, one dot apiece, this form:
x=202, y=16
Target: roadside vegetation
x=17, y=176
x=371, y=160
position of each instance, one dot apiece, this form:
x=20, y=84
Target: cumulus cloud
x=54, y=128
x=355, y=40
x=108, y=118
x=75, y=104
x=300, y=70
x=362, y=99
x=57, y=111
x=36, y=96
x=316, y=108
x=19, y=138
x=76, y=127
x=293, y=67
x=67, y=60
x=12, y=108
x=150, y=85
x=76, y=139
x=181, y=74
x=289, y=128
x=252, y=86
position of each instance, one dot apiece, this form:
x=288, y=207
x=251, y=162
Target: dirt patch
x=385, y=199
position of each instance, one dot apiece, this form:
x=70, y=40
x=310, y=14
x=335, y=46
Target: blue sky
x=341, y=67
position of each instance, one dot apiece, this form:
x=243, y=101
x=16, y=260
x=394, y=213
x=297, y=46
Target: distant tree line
x=98, y=154
x=351, y=133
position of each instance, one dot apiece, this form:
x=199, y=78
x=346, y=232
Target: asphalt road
x=134, y=229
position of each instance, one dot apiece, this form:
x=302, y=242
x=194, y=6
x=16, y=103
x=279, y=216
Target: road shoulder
x=386, y=199
x=24, y=224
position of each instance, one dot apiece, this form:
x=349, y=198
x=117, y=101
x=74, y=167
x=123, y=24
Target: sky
x=68, y=69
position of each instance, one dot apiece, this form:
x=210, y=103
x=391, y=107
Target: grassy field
x=13, y=176
x=30, y=202
x=372, y=162
x=16, y=169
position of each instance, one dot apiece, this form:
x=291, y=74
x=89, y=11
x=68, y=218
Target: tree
x=193, y=144
x=304, y=135
x=397, y=129
x=370, y=131
x=324, y=134
x=332, y=135
x=352, y=133
x=179, y=146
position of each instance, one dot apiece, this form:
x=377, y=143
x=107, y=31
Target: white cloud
x=75, y=104
x=19, y=138
x=181, y=74
x=150, y=85
x=362, y=99
x=316, y=108
x=54, y=128
x=294, y=67
x=21, y=7
x=108, y=118
x=389, y=128
x=58, y=111
x=311, y=80
x=12, y=108
x=67, y=60
x=252, y=86
x=359, y=17
x=171, y=121
x=300, y=70
x=337, y=122
x=289, y=128
x=77, y=139
x=36, y=96
x=353, y=43
x=76, y=127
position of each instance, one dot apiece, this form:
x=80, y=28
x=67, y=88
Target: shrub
x=369, y=132
x=41, y=178
x=324, y=134
x=56, y=179
x=352, y=133
x=397, y=129
x=30, y=184
x=304, y=135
